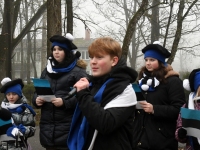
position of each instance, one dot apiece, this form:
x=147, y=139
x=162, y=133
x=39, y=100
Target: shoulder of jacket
x=81, y=63
x=78, y=69
x=174, y=78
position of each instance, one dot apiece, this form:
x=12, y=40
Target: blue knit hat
x=15, y=89
x=196, y=80
x=64, y=42
x=62, y=45
x=14, y=86
x=156, y=51
x=156, y=55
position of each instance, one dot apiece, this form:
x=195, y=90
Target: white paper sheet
x=138, y=106
x=47, y=98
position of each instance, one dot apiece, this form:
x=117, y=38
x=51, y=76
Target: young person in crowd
x=103, y=119
x=193, y=85
x=155, y=123
x=23, y=115
x=63, y=70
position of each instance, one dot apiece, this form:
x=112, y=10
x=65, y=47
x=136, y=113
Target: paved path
x=35, y=141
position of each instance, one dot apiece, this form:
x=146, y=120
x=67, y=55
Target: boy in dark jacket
x=103, y=119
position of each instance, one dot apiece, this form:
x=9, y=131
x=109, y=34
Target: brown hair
x=198, y=92
x=158, y=73
x=105, y=45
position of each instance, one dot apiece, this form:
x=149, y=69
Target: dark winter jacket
x=115, y=124
x=157, y=131
x=55, y=121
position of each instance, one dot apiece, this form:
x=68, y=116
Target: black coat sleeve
x=105, y=121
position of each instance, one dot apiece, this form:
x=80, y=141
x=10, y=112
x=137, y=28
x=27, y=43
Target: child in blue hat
x=155, y=121
x=22, y=113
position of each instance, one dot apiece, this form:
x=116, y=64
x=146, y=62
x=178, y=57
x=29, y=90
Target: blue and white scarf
x=79, y=127
x=50, y=69
x=148, y=83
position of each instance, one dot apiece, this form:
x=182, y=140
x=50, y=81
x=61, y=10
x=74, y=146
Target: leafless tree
x=54, y=22
x=168, y=21
x=8, y=26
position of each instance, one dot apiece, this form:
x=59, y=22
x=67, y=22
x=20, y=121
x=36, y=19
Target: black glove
x=5, y=114
x=30, y=131
x=182, y=133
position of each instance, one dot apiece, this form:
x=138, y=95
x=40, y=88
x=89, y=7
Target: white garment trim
x=49, y=67
x=156, y=82
x=125, y=99
x=190, y=101
x=9, y=105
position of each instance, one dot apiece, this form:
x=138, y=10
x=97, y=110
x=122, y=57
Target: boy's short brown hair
x=105, y=45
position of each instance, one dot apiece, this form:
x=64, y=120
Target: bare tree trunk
x=34, y=54
x=133, y=54
x=168, y=23
x=132, y=27
x=22, y=52
x=33, y=57
x=8, y=43
x=180, y=19
x=54, y=24
x=155, y=21
x=29, y=47
x=69, y=16
x=7, y=34
x=134, y=50
x=44, y=44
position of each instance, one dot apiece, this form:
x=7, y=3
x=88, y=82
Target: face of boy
x=101, y=64
x=12, y=97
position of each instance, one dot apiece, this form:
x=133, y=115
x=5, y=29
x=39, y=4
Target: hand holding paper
x=57, y=102
x=147, y=107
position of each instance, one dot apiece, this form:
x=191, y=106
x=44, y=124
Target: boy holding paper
x=187, y=124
